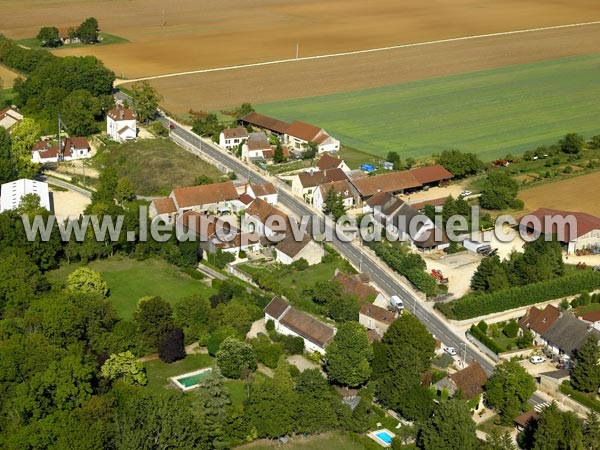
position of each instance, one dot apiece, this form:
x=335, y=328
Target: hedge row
x=580, y=397
x=485, y=340
x=479, y=305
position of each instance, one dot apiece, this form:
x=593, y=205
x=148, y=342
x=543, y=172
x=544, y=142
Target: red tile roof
x=291, y=247
x=389, y=182
x=329, y=162
x=353, y=285
x=539, y=320
x=593, y=316
x=263, y=189
x=319, y=177
x=263, y=211
x=276, y=307
x=258, y=141
x=47, y=151
x=377, y=313
x=431, y=174
x=268, y=123
x=246, y=199
x=340, y=187
x=308, y=327
x=205, y=194
x=585, y=223
x=121, y=113
x=528, y=417
x=164, y=205
x=304, y=131
x=235, y=133
x=470, y=380
x=433, y=202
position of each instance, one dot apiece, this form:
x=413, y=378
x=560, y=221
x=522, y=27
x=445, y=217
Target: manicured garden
x=129, y=280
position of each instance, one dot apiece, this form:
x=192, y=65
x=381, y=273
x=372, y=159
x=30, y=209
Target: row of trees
x=541, y=260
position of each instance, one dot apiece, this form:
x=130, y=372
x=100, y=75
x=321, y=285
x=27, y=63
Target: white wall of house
x=271, y=199
x=309, y=346
x=113, y=127
x=586, y=240
x=251, y=224
x=312, y=252
x=231, y=143
x=330, y=145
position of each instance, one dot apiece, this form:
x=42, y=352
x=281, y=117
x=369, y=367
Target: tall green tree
x=278, y=156
x=146, y=100
x=591, y=431
x=508, y=389
x=499, y=191
x=315, y=411
x=213, y=401
x=124, y=366
x=558, y=430
x=234, y=357
x=460, y=164
x=497, y=441
x=572, y=143
x=87, y=281
x=394, y=158
x=450, y=427
x=88, y=31
x=334, y=203
x=24, y=136
x=349, y=355
x=490, y=276
x=81, y=112
x=154, y=319
x=49, y=37
x=7, y=169
x=585, y=376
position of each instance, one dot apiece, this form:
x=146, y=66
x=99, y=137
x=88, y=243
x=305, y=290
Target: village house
x=538, y=321
x=327, y=161
x=272, y=126
x=216, y=197
x=527, y=419
x=343, y=188
x=565, y=336
x=121, y=124
x=592, y=317
x=470, y=381
x=68, y=35
x=393, y=183
x=163, y=209
x=12, y=193
x=9, y=117
x=291, y=322
x=266, y=220
x=299, y=134
x=255, y=147
x=214, y=234
x=376, y=318
x=231, y=138
x=581, y=231
x=72, y=149
x=550, y=381
x=264, y=191
x=304, y=184
x=291, y=250
x=357, y=286
x=396, y=216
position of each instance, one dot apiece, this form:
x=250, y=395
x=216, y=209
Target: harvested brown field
x=184, y=35
x=579, y=193
x=7, y=77
x=215, y=90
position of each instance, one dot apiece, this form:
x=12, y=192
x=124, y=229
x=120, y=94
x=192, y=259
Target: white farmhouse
x=264, y=191
x=290, y=250
x=121, y=124
x=291, y=322
x=72, y=149
x=230, y=138
x=299, y=134
x=12, y=193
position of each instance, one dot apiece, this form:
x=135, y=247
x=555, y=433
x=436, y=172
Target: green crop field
x=491, y=113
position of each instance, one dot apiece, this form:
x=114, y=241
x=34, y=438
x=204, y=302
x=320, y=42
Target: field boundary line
x=354, y=52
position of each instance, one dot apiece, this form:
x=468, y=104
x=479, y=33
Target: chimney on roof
x=122, y=113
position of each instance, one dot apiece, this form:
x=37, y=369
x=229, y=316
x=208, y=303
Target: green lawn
x=159, y=372
x=155, y=166
x=107, y=39
x=129, y=280
x=592, y=307
x=327, y=441
x=491, y=113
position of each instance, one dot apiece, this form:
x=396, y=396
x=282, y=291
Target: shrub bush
x=471, y=305
x=171, y=348
x=483, y=326
x=485, y=340
x=511, y=329
x=270, y=325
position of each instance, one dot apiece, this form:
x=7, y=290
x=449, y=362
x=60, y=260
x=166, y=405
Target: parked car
x=537, y=359
x=450, y=350
x=465, y=193
x=171, y=127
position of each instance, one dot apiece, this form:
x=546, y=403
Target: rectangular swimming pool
x=384, y=436
x=190, y=380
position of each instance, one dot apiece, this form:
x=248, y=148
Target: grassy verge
x=328, y=441
x=129, y=280
x=155, y=166
x=159, y=372
x=483, y=112
x=106, y=39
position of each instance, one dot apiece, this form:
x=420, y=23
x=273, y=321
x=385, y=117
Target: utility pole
x=464, y=358
x=297, y=50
